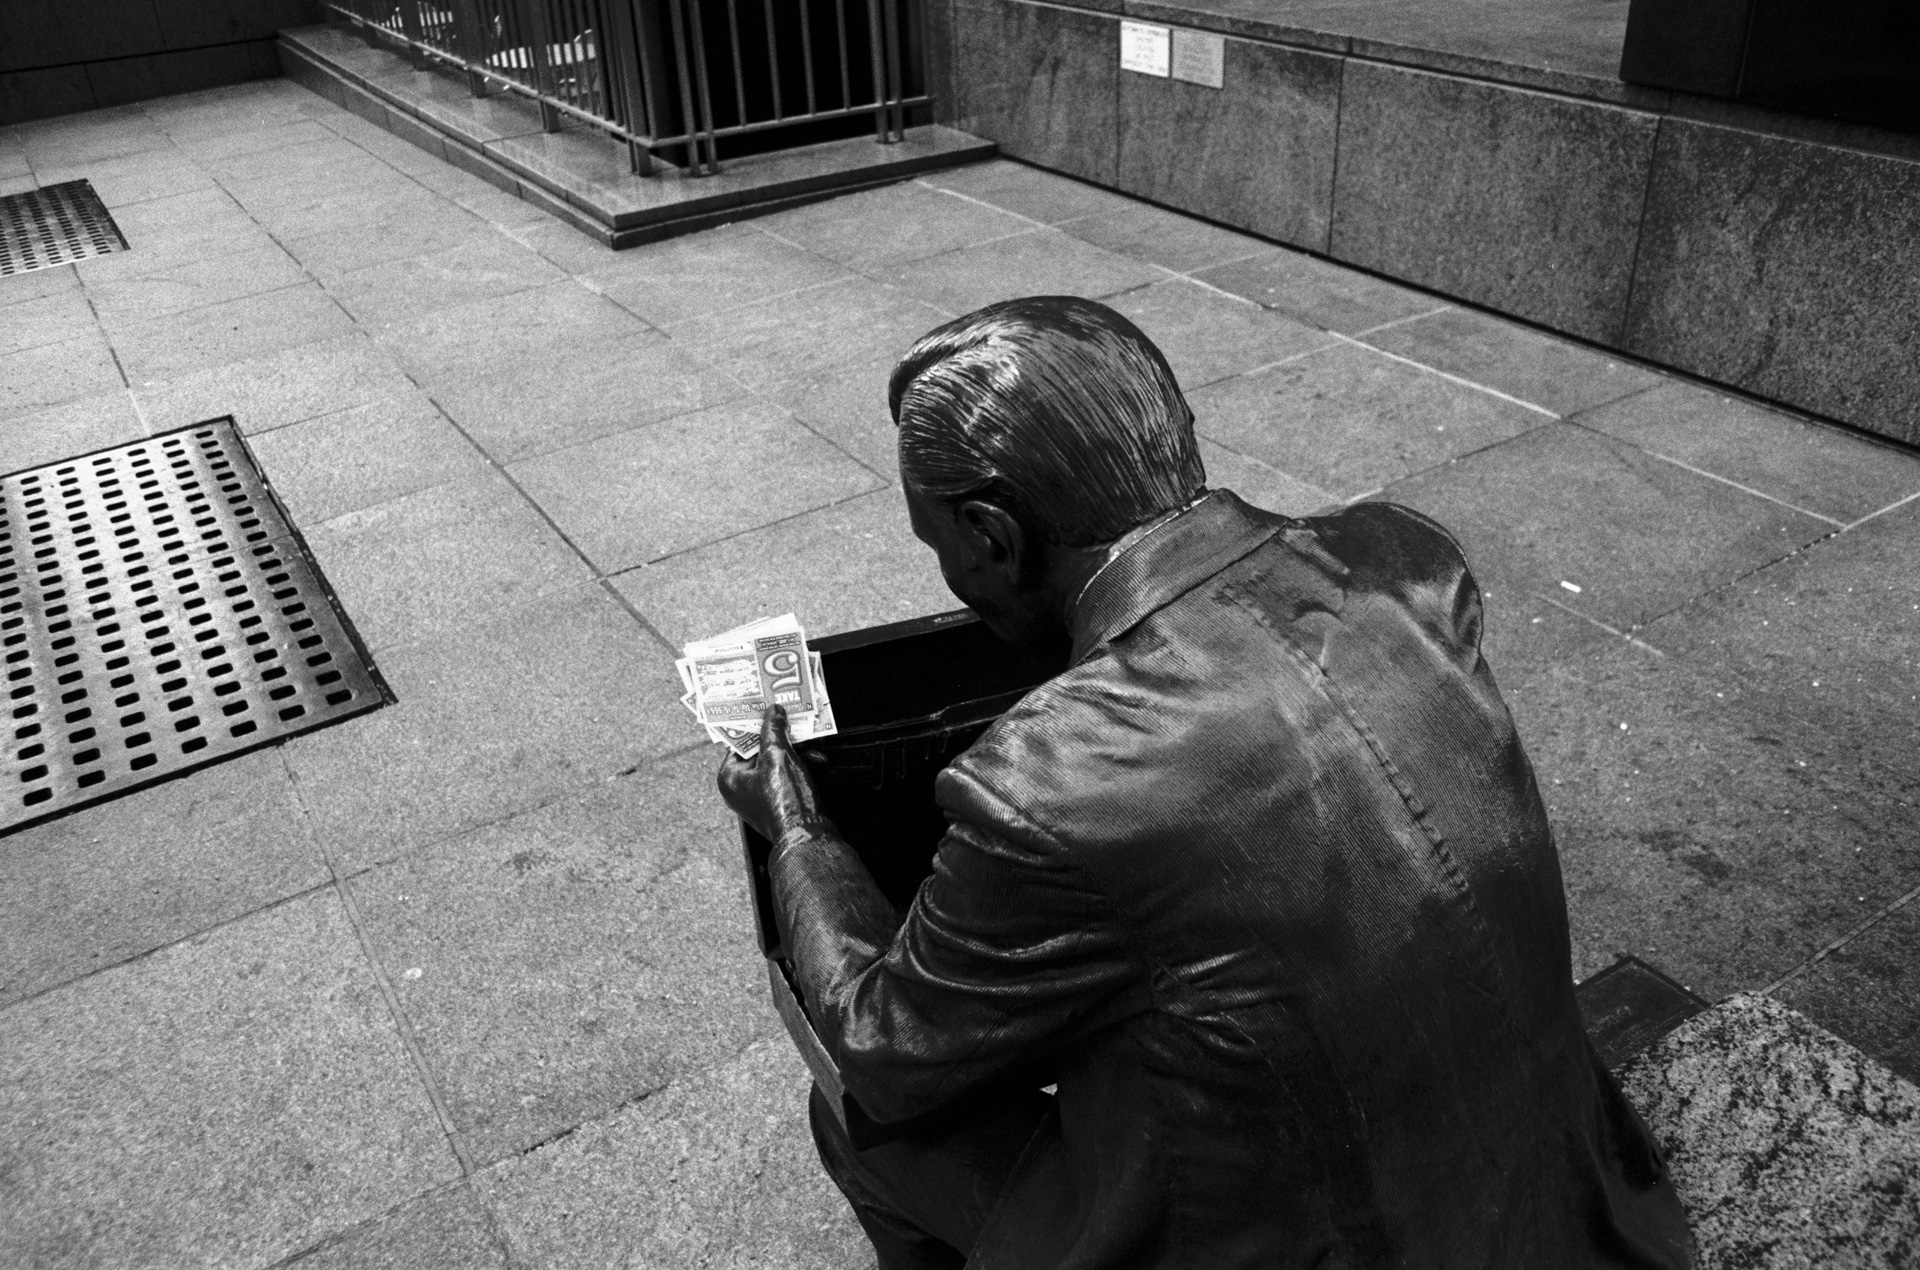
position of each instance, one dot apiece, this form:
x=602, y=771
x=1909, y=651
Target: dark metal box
x=908, y=699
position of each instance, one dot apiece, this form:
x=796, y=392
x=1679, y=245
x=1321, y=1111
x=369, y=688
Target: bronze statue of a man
x=1263, y=880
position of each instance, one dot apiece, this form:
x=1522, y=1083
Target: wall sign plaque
x=1199, y=57
x=1145, y=48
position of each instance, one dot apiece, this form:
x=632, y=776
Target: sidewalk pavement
x=470, y=981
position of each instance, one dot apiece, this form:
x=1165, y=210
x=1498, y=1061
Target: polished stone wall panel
x=1039, y=81
x=1785, y=268
x=1257, y=153
x=1520, y=201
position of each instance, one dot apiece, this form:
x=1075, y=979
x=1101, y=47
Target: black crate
x=908, y=698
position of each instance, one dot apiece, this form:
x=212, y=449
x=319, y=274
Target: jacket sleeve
x=1007, y=953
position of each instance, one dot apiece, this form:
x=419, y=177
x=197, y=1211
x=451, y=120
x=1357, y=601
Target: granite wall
x=60, y=56
x=1777, y=255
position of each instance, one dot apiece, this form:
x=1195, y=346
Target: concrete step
x=582, y=175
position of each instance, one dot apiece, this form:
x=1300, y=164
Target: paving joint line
x=1201, y=283
x=1402, y=321
x=1885, y=912
x=1451, y=378
x=752, y=529
x=1635, y=640
x=1893, y=506
x=402, y=1024
x=1745, y=489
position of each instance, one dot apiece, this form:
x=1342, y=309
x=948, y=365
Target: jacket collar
x=1164, y=565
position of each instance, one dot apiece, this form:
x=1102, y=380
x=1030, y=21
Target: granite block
x=1038, y=262
x=173, y=230
x=668, y=282
x=1208, y=337
x=128, y=301
x=1349, y=421
x=1806, y=256
x=38, y=284
x=273, y=391
x=110, y=882
x=135, y=178
x=847, y=404
x=478, y=267
x=1637, y=536
x=351, y=234
x=1868, y=991
x=51, y=319
x=1027, y=191
x=1164, y=238
x=43, y=92
x=73, y=427
x=1257, y=153
x=444, y=1229
x=496, y=715
x=89, y=137
x=246, y=133
x=565, y=962
x=1523, y=202
x=853, y=565
x=1041, y=82
x=1328, y=296
x=441, y=557
x=717, y=1169
x=36, y=378
x=1698, y=826
x=1832, y=473
x=704, y=476
x=781, y=339
x=1833, y=633
x=1262, y=485
x=1788, y=1146
x=363, y=455
x=893, y=225
x=1554, y=374
x=227, y=1100
x=176, y=70
x=198, y=339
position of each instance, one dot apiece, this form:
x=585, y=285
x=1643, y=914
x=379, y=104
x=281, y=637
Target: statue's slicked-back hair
x=1056, y=407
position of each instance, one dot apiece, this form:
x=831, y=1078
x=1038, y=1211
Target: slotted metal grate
x=158, y=612
x=54, y=225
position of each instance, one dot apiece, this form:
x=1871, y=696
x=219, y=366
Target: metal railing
x=671, y=78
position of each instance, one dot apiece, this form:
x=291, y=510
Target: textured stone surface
x=445, y=1229
x=1039, y=262
x=90, y=890
x=845, y=567
x=354, y=458
x=581, y=956
x=1636, y=535
x=1257, y=153
x=73, y=427
x=1868, y=990
x=1318, y=293
x=1526, y=203
x=225, y=1101
x=720, y=1170
x=1208, y=337
x=1808, y=257
x=735, y=468
x=1824, y=470
x=1555, y=374
x=1027, y=191
x=703, y=273
x=1789, y=1147
x=281, y=388
x=1164, y=238
x=500, y=714
x=181, y=343
x=773, y=342
x=892, y=225
x=1394, y=419
x=1039, y=81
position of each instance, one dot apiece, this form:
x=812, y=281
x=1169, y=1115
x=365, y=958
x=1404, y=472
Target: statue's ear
x=996, y=535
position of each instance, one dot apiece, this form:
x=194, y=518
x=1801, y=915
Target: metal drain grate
x=53, y=225
x=158, y=613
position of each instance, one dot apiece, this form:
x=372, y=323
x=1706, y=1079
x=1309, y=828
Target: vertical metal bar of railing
x=624, y=73
x=896, y=89
x=879, y=69
x=739, y=69
x=846, y=75
x=685, y=28
x=472, y=44
x=410, y=27
x=703, y=87
x=806, y=52
x=773, y=60
x=537, y=30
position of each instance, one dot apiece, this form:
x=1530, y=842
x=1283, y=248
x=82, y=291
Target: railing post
x=472, y=41
x=410, y=27
x=896, y=88
x=874, y=38
x=625, y=73
x=540, y=54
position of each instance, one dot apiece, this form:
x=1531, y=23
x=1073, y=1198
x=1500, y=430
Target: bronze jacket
x=1265, y=877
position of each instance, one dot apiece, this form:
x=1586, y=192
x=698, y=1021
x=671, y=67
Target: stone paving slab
x=1869, y=990
x=225, y=1101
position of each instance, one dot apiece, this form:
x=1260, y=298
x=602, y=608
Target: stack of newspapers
x=731, y=678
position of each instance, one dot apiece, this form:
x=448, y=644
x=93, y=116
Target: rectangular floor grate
x=54, y=225
x=1630, y=1005
x=158, y=612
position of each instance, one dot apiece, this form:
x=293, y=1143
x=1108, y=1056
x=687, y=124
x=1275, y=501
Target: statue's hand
x=771, y=791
